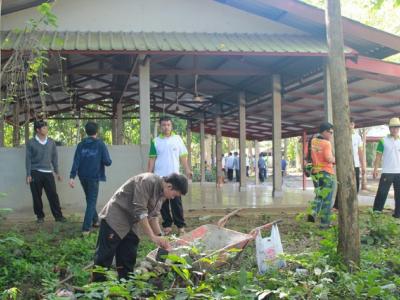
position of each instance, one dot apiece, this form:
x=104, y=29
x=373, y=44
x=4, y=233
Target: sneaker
x=85, y=233
x=310, y=218
x=61, y=219
x=40, y=220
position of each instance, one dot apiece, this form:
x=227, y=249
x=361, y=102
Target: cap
x=325, y=126
x=394, y=122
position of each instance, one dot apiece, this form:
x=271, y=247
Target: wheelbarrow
x=219, y=244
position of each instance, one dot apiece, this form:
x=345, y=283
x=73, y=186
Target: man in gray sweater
x=41, y=161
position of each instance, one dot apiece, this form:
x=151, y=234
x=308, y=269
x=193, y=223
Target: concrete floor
x=207, y=197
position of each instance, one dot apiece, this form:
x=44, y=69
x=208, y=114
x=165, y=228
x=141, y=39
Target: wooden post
x=242, y=141
x=202, y=153
x=27, y=131
x=349, y=236
x=277, y=135
x=218, y=151
x=16, y=135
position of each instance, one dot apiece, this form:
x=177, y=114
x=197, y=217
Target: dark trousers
x=109, y=244
x=261, y=174
x=91, y=189
x=176, y=210
x=237, y=173
x=230, y=174
x=247, y=171
x=384, y=185
x=357, y=171
x=40, y=181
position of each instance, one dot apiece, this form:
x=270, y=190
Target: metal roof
x=10, y=6
x=172, y=42
x=367, y=40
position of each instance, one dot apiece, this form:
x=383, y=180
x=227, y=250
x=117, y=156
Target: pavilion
x=251, y=69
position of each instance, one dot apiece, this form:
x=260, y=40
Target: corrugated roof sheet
x=170, y=41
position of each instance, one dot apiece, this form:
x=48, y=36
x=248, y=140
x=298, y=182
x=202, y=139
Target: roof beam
x=375, y=66
x=351, y=29
x=218, y=72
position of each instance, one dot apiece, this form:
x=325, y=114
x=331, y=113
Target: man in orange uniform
x=323, y=174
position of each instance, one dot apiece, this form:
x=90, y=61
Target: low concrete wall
x=126, y=162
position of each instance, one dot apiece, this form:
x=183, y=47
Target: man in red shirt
x=323, y=174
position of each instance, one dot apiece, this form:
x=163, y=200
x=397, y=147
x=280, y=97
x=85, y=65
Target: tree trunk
x=349, y=237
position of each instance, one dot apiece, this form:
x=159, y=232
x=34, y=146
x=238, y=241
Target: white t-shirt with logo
x=357, y=144
x=167, y=151
x=390, y=149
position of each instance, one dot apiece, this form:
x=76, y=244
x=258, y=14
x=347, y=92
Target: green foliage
x=10, y=294
x=32, y=264
x=380, y=229
x=25, y=70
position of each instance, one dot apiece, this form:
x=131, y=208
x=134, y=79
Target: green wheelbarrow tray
x=218, y=244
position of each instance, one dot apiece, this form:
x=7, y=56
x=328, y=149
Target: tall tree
x=349, y=236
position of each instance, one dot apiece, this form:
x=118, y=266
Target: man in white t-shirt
x=358, y=153
x=166, y=152
x=388, y=151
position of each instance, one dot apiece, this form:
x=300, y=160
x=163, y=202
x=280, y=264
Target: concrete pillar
x=257, y=156
x=144, y=96
x=119, y=124
x=277, y=135
x=212, y=152
x=155, y=132
x=242, y=141
x=218, y=151
x=189, y=143
x=202, y=153
x=16, y=135
x=207, y=149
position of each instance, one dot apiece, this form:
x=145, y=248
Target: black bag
x=308, y=165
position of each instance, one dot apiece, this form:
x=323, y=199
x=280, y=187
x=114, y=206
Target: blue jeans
x=91, y=189
x=324, y=184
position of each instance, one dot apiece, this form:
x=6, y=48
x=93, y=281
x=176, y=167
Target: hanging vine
x=24, y=76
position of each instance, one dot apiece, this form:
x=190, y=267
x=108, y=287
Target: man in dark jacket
x=91, y=157
x=41, y=161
